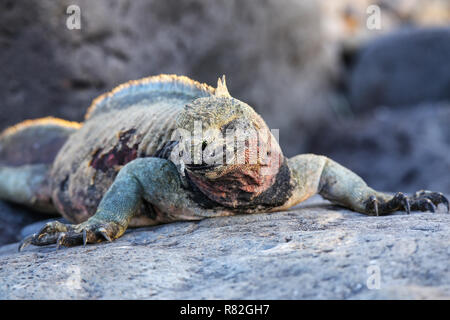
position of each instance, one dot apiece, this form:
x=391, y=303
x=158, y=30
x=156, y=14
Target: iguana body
x=117, y=169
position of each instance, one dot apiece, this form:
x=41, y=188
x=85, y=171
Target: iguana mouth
x=201, y=167
x=233, y=187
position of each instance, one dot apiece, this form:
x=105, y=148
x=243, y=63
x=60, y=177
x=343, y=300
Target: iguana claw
x=84, y=238
x=405, y=202
x=374, y=202
x=71, y=235
x=26, y=242
x=421, y=201
x=60, y=240
x=104, y=233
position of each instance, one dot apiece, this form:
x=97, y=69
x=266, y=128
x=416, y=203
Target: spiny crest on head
x=222, y=90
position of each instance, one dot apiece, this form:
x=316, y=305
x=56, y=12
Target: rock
x=402, y=69
x=315, y=251
x=393, y=149
x=273, y=64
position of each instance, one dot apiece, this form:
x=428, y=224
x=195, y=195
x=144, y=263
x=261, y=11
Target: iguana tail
x=34, y=141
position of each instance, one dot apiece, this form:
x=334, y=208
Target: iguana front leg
x=317, y=174
x=151, y=179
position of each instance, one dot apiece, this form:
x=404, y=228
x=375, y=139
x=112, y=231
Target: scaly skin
x=125, y=166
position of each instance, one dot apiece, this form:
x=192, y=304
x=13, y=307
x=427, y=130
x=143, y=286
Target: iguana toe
x=398, y=202
x=436, y=198
x=52, y=228
x=49, y=234
x=423, y=205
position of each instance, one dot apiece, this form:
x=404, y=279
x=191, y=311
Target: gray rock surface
x=315, y=251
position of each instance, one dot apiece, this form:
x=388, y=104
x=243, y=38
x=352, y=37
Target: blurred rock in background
x=403, y=65
x=13, y=218
x=393, y=149
x=392, y=123
x=402, y=69
x=313, y=69
x=346, y=21
x=272, y=52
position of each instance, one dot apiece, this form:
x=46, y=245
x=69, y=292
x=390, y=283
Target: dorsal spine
x=164, y=83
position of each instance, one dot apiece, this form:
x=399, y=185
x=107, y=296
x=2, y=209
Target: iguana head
x=227, y=149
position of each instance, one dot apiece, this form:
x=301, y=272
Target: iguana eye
x=204, y=144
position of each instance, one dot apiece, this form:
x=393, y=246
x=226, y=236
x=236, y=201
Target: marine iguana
x=123, y=168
